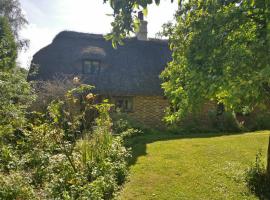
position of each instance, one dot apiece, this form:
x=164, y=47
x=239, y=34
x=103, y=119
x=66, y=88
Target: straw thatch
x=131, y=69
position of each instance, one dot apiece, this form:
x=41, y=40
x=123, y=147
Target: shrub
x=226, y=122
x=207, y=122
x=123, y=126
x=16, y=185
x=122, y=122
x=8, y=47
x=50, y=90
x=64, y=154
x=93, y=166
x=257, y=180
x=258, y=121
x=47, y=155
x=14, y=101
x=131, y=132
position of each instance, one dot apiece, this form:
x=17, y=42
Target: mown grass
x=208, y=166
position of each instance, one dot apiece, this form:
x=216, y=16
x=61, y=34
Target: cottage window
x=124, y=104
x=91, y=67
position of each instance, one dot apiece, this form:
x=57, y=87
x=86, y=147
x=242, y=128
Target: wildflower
x=90, y=96
x=76, y=80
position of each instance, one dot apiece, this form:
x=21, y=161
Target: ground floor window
x=124, y=104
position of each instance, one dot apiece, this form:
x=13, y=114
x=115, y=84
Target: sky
x=49, y=17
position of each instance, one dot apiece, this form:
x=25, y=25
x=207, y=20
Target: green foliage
x=64, y=155
x=206, y=123
x=192, y=166
x=258, y=121
x=125, y=127
x=8, y=47
x=15, y=98
x=122, y=122
x=130, y=133
x=226, y=122
x=91, y=167
x=15, y=186
x=125, y=19
x=61, y=153
x=11, y=10
x=220, y=54
x=257, y=180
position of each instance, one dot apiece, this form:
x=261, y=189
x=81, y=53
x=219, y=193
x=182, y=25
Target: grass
x=202, y=166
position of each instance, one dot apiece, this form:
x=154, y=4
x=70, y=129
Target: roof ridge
x=75, y=34
x=84, y=35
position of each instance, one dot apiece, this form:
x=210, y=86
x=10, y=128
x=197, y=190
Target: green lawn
x=167, y=166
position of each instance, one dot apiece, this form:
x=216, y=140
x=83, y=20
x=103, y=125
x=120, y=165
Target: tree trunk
x=268, y=159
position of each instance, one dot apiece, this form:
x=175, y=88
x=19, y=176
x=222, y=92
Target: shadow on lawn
x=257, y=184
x=138, y=143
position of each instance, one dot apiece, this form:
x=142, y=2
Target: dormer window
x=91, y=67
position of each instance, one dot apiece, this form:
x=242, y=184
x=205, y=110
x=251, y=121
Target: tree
x=220, y=52
x=11, y=9
x=8, y=47
x=35, y=147
x=16, y=94
x=125, y=19
x=268, y=160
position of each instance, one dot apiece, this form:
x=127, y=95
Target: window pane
x=95, y=67
x=119, y=103
x=87, y=67
x=129, y=105
x=124, y=104
x=91, y=67
x=95, y=64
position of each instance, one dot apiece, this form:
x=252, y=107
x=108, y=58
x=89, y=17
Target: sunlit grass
x=168, y=166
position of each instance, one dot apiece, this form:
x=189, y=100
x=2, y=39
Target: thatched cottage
x=128, y=75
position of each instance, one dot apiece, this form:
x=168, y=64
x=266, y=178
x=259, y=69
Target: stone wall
x=149, y=110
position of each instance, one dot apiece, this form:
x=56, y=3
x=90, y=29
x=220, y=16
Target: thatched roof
x=131, y=69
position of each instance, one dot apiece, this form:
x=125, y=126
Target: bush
x=59, y=153
x=258, y=121
x=100, y=167
x=206, y=122
x=131, y=132
x=91, y=167
x=15, y=97
x=123, y=122
x=124, y=127
x=257, y=180
x=50, y=90
x=16, y=185
x=8, y=47
x=226, y=122
x=64, y=155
